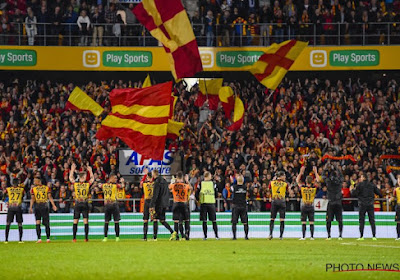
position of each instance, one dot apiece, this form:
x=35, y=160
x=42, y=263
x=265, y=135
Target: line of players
x=156, y=194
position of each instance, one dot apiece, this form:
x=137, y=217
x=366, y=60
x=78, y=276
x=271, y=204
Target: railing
x=194, y=207
x=69, y=34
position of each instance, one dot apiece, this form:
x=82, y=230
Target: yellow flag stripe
x=210, y=86
x=150, y=7
x=177, y=28
x=143, y=111
x=294, y=52
x=147, y=82
x=146, y=129
x=174, y=127
x=225, y=93
x=273, y=80
x=82, y=101
x=238, y=110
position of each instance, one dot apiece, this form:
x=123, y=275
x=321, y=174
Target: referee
x=365, y=192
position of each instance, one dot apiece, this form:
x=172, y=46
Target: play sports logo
x=91, y=59
x=318, y=58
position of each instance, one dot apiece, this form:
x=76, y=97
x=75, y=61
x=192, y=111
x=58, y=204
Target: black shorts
x=81, y=207
x=42, y=213
x=335, y=210
x=112, y=209
x=239, y=211
x=15, y=211
x=160, y=213
x=307, y=211
x=146, y=210
x=397, y=218
x=278, y=206
x=180, y=211
x=208, y=208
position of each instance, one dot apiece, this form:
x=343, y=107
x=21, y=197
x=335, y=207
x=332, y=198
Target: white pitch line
x=371, y=245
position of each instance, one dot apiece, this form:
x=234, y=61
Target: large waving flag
x=80, y=101
x=238, y=113
x=139, y=117
x=168, y=22
x=209, y=89
x=273, y=65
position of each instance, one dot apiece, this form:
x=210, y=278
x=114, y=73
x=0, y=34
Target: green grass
x=196, y=259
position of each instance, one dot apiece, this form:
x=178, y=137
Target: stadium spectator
x=84, y=27
x=30, y=27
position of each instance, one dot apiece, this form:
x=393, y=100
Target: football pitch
x=198, y=259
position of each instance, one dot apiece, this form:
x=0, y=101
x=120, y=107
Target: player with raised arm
x=239, y=206
x=111, y=205
x=308, y=191
x=147, y=185
x=333, y=178
x=206, y=197
x=278, y=189
x=159, y=203
x=181, y=191
x=40, y=196
x=15, y=195
x=81, y=195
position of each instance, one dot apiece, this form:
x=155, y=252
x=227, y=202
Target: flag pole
x=205, y=86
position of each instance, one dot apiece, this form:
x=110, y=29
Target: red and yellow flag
x=146, y=82
x=79, y=101
x=168, y=22
x=139, y=117
x=227, y=99
x=209, y=89
x=273, y=65
x=238, y=113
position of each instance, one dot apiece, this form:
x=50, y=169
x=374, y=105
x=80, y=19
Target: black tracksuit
x=365, y=192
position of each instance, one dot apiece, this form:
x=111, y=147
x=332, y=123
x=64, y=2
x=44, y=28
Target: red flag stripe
x=157, y=95
x=143, y=16
x=276, y=59
x=142, y=119
x=149, y=146
x=70, y=106
x=184, y=68
x=168, y=11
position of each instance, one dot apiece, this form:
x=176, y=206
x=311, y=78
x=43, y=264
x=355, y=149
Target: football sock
x=312, y=230
x=86, y=231
x=74, y=229
x=38, y=231
x=187, y=228
x=116, y=225
x=234, y=230
x=215, y=227
x=328, y=228
x=176, y=227
x=7, y=231
x=145, y=230
x=246, y=229
x=47, y=231
x=303, y=229
x=167, y=226
x=105, y=229
x=271, y=227
x=398, y=230
x=282, y=228
x=155, y=229
x=340, y=228
x=205, y=229
x=181, y=229
x=20, y=229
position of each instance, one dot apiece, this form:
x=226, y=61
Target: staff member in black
x=333, y=178
x=365, y=192
x=159, y=203
x=239, y=208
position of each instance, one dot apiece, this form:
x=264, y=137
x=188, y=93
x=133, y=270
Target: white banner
x=3, y=207
x=320, y=204
x=131, y=163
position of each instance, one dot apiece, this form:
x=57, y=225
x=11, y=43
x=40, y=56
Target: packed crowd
x=247, y=22
x=215, y=22
x=295, y=125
